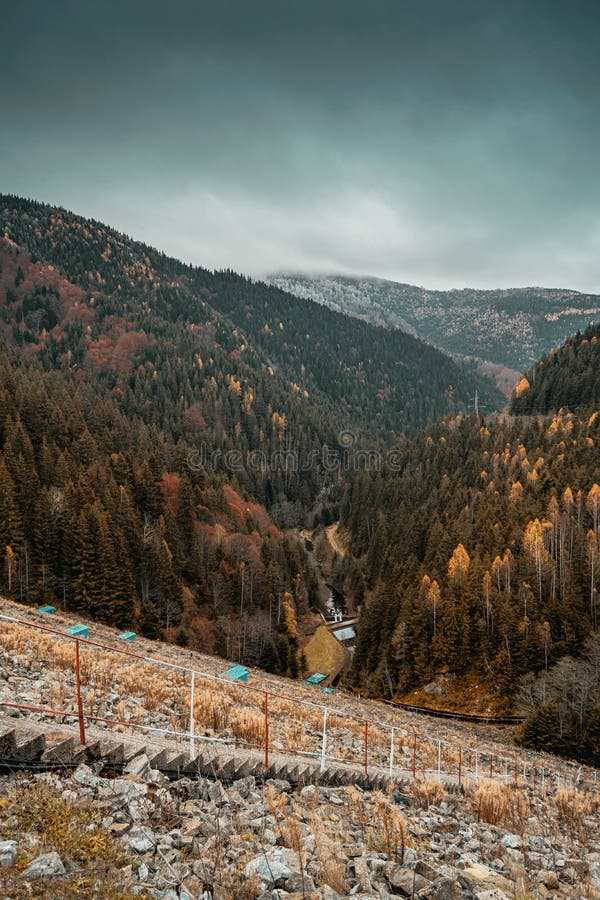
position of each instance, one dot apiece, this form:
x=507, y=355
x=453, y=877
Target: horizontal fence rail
x=475, y=718
x=201, y=707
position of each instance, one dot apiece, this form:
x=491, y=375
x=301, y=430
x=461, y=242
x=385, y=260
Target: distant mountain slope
x=313, y=368
x=512, y=328
x=568, y=377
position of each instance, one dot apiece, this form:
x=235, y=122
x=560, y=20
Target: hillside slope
x=480, y=554
x=535, y=825
x=568, y=377
x=512, y=328
x=331, y=367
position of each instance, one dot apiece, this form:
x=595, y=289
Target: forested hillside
x=567, y=377
x=481, y=558
x=103, y=514
x=158, y=420
x=289, y=367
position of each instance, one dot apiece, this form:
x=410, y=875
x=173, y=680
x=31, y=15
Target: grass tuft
x=40, y=819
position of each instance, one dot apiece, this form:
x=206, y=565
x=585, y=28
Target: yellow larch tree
x=458, y=567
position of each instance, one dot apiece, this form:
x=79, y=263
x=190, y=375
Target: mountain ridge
x=494, y=325
x=356, y=367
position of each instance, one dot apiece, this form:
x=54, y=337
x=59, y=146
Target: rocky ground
x=83, y=832
x=139, y=834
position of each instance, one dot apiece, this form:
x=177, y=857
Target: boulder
x=48, y=865
x=273, y=867
x=142, y=840
x=138, y=766
x=8, y=853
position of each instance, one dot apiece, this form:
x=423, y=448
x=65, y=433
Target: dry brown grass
x=389, y=833
x=289, y=823
x=429, y=792
x=573, y=807
x=93, y=859
x=501, y=804
x=328, y=861
x=324, y=653
x=247, y=725
x=384, y=826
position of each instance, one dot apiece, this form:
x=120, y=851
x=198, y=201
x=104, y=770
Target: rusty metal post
x=491, y=766
x=79, y=700
x=266, y=729
x=366, y=747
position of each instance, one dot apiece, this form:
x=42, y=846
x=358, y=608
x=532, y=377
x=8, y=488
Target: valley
x=300, y=450
x=252, y=483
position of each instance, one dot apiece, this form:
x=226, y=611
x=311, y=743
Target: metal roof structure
x=345, y=634
x=317, y=678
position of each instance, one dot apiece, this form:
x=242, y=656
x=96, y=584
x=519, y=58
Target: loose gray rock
x=280, y=785
x=170, y=894
x=310, y=793
x=84, y=776
x=245, y=785
x=8, y=853
x=492, y=894
x=427, y=871
x=511, y=840
x=272, y=867
x=45, y=866
x=217, y=793
x=406, y=882
x=446, y=889
x=328, y=893
x=128, y=790
x=297, y=884
x=142, y=841
x=139, y=766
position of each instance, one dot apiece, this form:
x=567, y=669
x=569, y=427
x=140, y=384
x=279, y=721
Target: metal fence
x=162, y=698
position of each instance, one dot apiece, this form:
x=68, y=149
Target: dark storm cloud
x=437, y=142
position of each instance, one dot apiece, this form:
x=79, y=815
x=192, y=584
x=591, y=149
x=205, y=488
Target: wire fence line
x=207, y=708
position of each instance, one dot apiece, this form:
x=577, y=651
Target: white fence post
x=392, y=753
x=439, y=760
x=192, y=723
x=324, y=741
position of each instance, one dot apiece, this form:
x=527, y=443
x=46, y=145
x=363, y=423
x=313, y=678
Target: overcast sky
x=440, y=142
